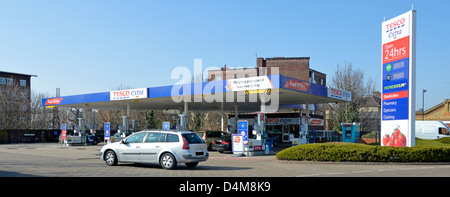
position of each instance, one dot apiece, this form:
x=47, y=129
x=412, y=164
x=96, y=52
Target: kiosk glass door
x=285, y=133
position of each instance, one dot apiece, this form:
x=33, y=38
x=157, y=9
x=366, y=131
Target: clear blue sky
x=94, y=46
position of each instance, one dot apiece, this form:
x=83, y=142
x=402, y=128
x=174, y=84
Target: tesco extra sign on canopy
x=128, y=94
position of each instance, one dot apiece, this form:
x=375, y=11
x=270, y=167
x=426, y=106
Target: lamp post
x=423, y=104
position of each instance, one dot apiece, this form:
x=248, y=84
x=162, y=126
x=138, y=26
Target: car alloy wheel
x=168, y=161
x=110, y=158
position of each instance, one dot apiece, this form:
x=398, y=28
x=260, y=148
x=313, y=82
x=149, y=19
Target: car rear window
x=193, y=138
x=214, y=134
x=172, y=138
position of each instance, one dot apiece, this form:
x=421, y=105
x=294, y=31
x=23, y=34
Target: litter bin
x=269, y=146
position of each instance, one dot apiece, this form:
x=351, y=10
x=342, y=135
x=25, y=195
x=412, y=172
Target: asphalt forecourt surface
x=52, y=160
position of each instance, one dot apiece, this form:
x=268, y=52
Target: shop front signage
x=283, y=121
x=398, y=79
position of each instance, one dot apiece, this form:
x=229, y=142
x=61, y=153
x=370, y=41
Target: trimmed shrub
x=364, y=153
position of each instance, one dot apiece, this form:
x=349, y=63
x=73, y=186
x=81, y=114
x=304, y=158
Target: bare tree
x=41, y=117
x=14, y=107
x=352, y=80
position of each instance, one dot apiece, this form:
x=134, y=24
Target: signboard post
x=398, y=80
x=63, y=134
x=107, y=131
x=166, y=125
x=237, y=144
x=243, y=130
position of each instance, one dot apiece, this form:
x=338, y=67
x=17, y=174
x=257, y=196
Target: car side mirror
x=123, y=141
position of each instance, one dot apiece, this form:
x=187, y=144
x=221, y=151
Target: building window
x=23, y=82
x=235, y=76
x=10, y=81
x=247, y=75
x=2, y=80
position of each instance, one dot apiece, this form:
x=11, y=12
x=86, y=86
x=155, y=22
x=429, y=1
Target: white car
x=166, y=148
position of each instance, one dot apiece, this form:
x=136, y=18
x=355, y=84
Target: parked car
x=209, y=136
x=166, y=148
x=431, y=130
x=222, y=144
x=92, y=139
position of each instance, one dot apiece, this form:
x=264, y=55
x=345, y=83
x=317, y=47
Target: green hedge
x=365, y=153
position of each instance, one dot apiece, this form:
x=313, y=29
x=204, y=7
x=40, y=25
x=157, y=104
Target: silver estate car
x=166, y=148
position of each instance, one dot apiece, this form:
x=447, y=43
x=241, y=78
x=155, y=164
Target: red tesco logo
x=396, y=23
x=122, y=93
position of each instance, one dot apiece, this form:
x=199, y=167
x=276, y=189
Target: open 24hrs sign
x=398, y=80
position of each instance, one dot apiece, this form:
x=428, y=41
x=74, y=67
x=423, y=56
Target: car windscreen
x=192, y=138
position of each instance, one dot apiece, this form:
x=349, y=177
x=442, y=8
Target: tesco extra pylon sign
x=128, y=94
x=398, y=80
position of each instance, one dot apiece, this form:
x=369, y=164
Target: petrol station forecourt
x=287, y=92
x=241, y=95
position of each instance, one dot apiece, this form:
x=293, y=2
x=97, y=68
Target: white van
x=431, y=130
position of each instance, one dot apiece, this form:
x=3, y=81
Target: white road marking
x=362, y=171
x=306, y=175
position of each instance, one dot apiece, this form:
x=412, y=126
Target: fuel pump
x=303, y=130
x=232, y=125
x=125, y=130
x=134, y=126
x=182, y=123
x=82, y=130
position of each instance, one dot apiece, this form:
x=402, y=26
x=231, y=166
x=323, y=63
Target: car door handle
x=157, y=146
x=138, y=147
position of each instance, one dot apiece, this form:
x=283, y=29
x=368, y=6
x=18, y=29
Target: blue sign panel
x=166, y=126
x=395, y=90
x=107, y=130
x=243, y=130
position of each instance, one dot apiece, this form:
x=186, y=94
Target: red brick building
x=295, y=67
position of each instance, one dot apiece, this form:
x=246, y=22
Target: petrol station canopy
x=246, y=93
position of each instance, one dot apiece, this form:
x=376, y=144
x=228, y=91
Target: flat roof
x=287, y=90
x=13, y=73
